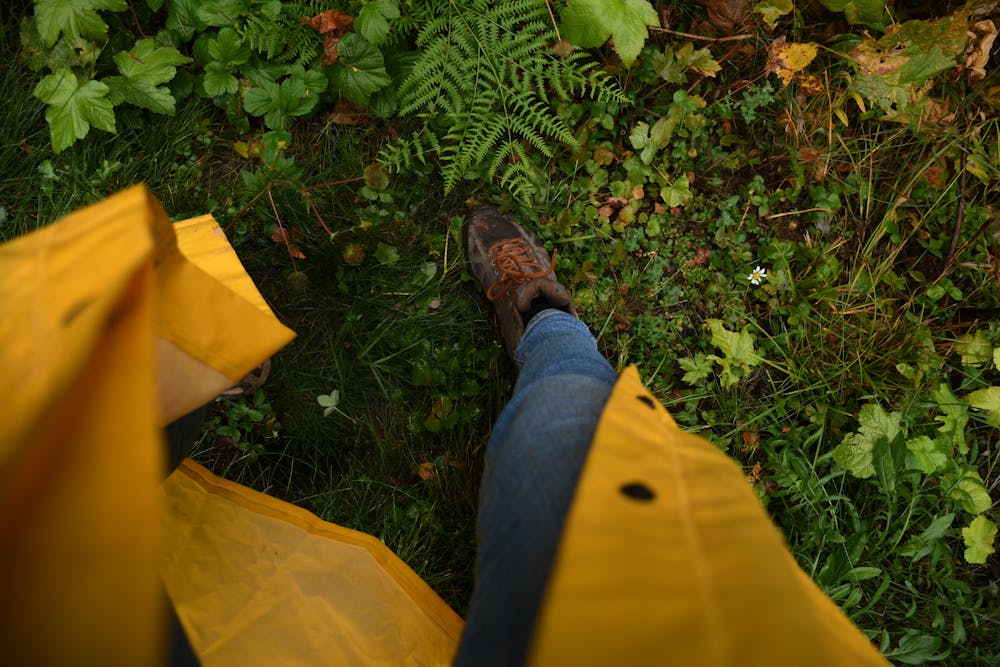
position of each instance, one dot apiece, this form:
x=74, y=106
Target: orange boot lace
x=516, y=263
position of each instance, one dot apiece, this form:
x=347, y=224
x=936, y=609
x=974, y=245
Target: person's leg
x=533, y=460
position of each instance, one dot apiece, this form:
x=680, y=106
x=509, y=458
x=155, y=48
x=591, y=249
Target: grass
x=880, y=246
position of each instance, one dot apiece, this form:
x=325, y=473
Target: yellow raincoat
x=114, y=322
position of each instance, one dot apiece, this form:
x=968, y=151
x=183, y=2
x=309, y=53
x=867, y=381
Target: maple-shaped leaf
x=589, y=23
x=857, y=451
x=143, y=70
x=73, y=18
x=987, y=399
x=74, y=108
x=221, y=13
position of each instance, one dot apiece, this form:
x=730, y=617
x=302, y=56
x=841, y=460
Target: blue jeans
x=533, y=461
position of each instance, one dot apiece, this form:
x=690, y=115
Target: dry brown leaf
x=727, y=17
x=346, y=112
x=982, y=35
x=332, y=24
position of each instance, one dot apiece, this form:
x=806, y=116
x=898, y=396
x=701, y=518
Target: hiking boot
x=515, y=271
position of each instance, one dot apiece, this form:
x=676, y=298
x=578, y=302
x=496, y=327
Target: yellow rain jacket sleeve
x=115, y=321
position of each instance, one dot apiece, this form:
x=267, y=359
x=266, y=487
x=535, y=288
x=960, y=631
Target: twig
x=704, y=38
x=555, y=26
x=284, y=232
x=309, y=188
x=960, y=215
x=136, y=17
x=243, y=210
x=316, y=213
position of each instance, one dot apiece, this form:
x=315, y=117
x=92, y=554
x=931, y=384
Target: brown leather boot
x=515, y=271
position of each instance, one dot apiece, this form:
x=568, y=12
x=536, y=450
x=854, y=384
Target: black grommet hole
x=637, y=491
x=647, y=400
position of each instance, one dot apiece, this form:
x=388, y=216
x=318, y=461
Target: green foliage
x=74, y=107
x=247, y=424
x=979, y=538
x=482, y=85
x=143, y=70
x=73, y=18
x=590, y=23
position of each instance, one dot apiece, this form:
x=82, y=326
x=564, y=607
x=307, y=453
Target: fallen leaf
x=603, y=156
x=983, y=34
x=332, y=24
x=426, y=471
x=294, y=251
x=786, y=59
x=727, y=17
x=346, y=112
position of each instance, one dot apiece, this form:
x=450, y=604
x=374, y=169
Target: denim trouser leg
x=533, y=461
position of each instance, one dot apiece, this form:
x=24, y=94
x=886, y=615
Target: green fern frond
x=488, y=68
x=281, y=36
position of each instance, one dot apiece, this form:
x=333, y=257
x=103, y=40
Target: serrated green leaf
x=856, y=452
x=701, y=61
x=968, y=490
x=227, y=48
x=182, y=19
x=677, y=193
x=360, y=69
x=219, y=81
x=589, y=23
x=372, y=24
x=220, y=13
x=143, y=69
x=929, y=456
x=979, y=538
x=74, y=108
x=987, y=399
x=738, y=348
x=73, y=18
x=698, y=368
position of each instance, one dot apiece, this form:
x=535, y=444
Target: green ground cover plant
x=786, y=215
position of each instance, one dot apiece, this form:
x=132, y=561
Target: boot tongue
x=557, y=295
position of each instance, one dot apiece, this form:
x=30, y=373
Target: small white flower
x=759, y=273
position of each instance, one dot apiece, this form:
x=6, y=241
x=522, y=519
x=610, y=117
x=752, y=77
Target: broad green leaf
x=894, y=71
x=677, y=193
x=858, y=11
x=916, y=649
x=73, y=18
x=74, y=108
x=372, y=21
x=182, y=19
x=772, y=10
x=219, y=81
x=974, y=348
x=359, y=71
x=856, y=452
x=954, y=419
x=996, y=358
x=220, y=13
x=589, y=23
x=143, y=70
x=227, y=48
x=968, y=490
x=154, y=4
x=987, y=399
x=978, y=538
x=929, y=455
x=386, y=254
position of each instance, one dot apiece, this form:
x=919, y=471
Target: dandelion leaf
x=979, y=538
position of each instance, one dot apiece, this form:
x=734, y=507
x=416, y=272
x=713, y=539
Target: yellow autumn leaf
x=787, y=58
